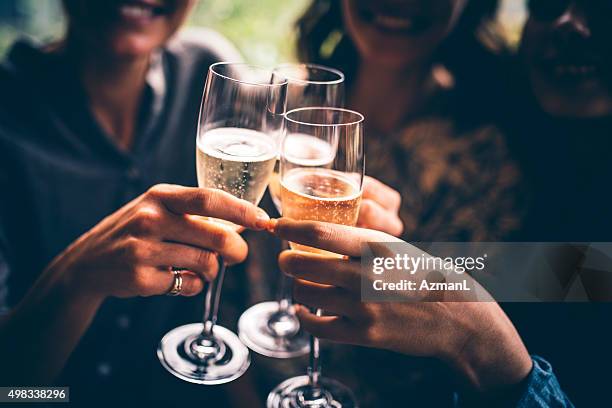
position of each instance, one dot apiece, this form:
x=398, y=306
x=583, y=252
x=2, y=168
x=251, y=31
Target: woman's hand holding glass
x=380, y=205
x=476, y=338
x=131, y=251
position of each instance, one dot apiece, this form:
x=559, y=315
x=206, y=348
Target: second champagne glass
x=241, y=113
x=329, y=192
x=271, y=328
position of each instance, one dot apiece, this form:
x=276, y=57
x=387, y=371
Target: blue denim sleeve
x=540, y=389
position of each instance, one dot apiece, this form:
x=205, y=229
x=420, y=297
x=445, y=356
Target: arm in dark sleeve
x=38, y=331
x=540, y=389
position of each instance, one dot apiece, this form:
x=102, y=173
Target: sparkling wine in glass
x=330, y=192
x=271, y=328
x=236, y=150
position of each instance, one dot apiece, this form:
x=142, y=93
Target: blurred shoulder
x=199, y=44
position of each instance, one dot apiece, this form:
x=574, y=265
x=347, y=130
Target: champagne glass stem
x=285, y=298
x=285, y=294
x=211, y=300
x=314, y=370
x=205, y=346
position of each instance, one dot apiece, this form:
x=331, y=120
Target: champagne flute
x=329, y=192
x=271, y=328
x=236, y=151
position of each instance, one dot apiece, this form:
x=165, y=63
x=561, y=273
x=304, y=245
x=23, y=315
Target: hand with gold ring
x=131, y=252
x=177, y=284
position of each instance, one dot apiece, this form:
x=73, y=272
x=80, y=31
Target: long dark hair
x=322, y=40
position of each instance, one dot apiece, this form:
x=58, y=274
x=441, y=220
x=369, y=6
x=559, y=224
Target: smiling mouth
x=140, y=11
x=393, y=23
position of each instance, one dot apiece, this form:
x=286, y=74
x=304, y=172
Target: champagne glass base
x=290, y=394
x=271, y=334
x=231, y=361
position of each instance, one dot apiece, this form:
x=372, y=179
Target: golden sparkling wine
x=304, y=151
x=238, y=161
x=320, y=195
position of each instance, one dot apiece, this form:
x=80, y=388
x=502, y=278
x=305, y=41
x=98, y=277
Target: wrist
x=486, y=349
x=70, y=281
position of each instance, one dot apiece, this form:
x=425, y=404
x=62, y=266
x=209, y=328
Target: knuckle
x=205, y=198
x=396, y=198
x=204, y=258
x=244, y=211
x=366, y=208
x=146, y=220
x=131, y=250
x=158, y=190
x=318, y=232
x=372, y=334
x=218, y=239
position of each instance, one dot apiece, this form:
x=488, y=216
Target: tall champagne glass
x=326, y=191
x=236, y=150
x=271, y=328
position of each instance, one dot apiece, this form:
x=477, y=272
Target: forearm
x=38, y=335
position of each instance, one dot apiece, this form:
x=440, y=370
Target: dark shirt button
x=104, y=369
x=123, y=321
x=133, y=174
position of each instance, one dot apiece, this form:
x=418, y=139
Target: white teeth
x=393, y=23
x=135, y=11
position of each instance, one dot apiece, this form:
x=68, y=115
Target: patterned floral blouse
x=456, y=185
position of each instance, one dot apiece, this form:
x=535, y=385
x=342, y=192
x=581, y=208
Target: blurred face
x=126, y=27
x=399, y=33
x=567, y=49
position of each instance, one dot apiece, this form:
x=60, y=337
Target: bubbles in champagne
x=238, y=161
x=320, y=195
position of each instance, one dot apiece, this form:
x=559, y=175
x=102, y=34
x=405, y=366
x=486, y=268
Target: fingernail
x=262, y=219
x=271, y=227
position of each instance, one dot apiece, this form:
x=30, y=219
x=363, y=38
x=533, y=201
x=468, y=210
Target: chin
x=570, y=107
x=586, y=100
x=133, y=46
x=391, y=57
